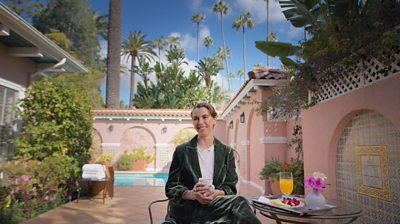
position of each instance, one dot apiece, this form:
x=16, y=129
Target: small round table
x=344, y=211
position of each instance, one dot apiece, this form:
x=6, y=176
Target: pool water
x=140, y=179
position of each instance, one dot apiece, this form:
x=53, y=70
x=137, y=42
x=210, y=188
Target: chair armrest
x=151, y=204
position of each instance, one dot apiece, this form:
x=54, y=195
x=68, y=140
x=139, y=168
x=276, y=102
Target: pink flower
x=309, y=182
x=25, y=178
x=319, y=184
x=315, y=182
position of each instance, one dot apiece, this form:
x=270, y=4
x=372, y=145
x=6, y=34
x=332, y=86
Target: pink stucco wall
x=324, y=123
x=248, y=137
x=15, y=69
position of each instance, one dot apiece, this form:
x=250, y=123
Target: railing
x=363, y=74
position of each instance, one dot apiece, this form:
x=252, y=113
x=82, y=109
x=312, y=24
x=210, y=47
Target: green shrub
x=57, y=119
x=38, y=186
x=271, y=169
x=125, y=162
x=140, y=154
x=104, y=158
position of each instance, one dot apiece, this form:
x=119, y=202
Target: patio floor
x=129, y=205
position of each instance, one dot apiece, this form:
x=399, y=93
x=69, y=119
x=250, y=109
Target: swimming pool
x=141, y=179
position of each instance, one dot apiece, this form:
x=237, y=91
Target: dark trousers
x=231, y=209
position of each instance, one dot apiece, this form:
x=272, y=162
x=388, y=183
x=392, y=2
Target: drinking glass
x=286, y=183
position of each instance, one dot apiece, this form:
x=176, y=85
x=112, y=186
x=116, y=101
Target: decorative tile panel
x=369, y=128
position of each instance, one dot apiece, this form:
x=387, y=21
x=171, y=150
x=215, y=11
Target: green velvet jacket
x=185, y=172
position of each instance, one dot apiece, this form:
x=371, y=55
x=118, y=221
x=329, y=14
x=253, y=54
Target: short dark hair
x=208, y=106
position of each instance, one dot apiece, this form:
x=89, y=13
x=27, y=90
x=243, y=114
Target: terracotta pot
x=139, y=165
x=275, y=189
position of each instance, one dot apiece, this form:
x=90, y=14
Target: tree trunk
x=114, y=54
x=244, y=56
x=226, y=56
x=133, y=86
x=198, y=24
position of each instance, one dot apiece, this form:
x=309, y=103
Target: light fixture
x=231, y=125
x=164, y=130
x=242, y=118
x=110, y=128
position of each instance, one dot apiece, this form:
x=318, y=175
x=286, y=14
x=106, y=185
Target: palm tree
x=176, y=56
x=144, y=69
x=241, y=73
x=198, y=18
x=267, y=3
x=173, y=41
x=242, y=22
x=273, y=38
x=222, y=56
x=101, y=24
x=159, y=44
x=208, y=41
x=222, y=8
x=207, y=68
x=134, y=46
x=114, y=55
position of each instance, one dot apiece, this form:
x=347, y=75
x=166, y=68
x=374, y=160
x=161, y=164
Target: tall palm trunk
x=198, y=27
x=133, y=77
x=114, y=54
x=267, y=1
x=159, y=55
x=226, y=58
x=244, y=55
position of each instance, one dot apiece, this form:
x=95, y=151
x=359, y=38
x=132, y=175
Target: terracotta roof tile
x=268, y=73
x=142, y=112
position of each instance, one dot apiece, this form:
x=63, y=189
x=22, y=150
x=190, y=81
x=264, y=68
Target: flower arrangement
x=316, y=181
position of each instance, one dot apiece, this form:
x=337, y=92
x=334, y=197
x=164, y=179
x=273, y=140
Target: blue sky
x=158, y=18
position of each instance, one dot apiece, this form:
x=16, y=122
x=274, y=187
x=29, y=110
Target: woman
x=212, y=199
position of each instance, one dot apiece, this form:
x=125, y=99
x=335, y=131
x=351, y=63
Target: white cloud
x=103, y=49
x=295, y=32
x=203, y=32
x=188, y=42
x=195, y=5
x=258, y=10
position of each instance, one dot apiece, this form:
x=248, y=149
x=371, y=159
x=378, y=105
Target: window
x=9, y=94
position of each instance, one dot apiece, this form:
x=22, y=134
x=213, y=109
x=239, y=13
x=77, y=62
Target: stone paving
x=129, y=205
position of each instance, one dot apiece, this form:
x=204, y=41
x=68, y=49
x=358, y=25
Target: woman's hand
x=202, y=193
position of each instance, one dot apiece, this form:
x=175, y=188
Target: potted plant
x=125, y=161
x=270, y=173
x=105, y=159
x=141, y=159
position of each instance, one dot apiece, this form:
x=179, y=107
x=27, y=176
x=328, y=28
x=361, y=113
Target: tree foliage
x=75, y=19
x=57, y=120
x=89, y=82
x=343, y=32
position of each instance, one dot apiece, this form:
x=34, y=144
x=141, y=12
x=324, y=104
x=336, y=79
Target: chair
x=237, y=163
x=100, y=178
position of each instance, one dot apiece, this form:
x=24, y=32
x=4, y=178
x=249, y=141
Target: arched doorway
x=135, y=138
x=96, y=150
x=365, y=131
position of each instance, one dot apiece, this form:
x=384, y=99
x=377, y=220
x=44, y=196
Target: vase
x=315, y=200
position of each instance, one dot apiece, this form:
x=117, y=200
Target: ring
x=211, y=187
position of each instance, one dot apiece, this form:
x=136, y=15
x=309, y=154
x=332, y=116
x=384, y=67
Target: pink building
x=257, y=138
x=351, y=134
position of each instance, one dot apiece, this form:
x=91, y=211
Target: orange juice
x=286, y=186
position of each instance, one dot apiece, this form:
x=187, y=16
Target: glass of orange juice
x=286, y=183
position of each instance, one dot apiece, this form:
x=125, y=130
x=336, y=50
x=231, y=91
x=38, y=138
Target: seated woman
x=205, y=157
